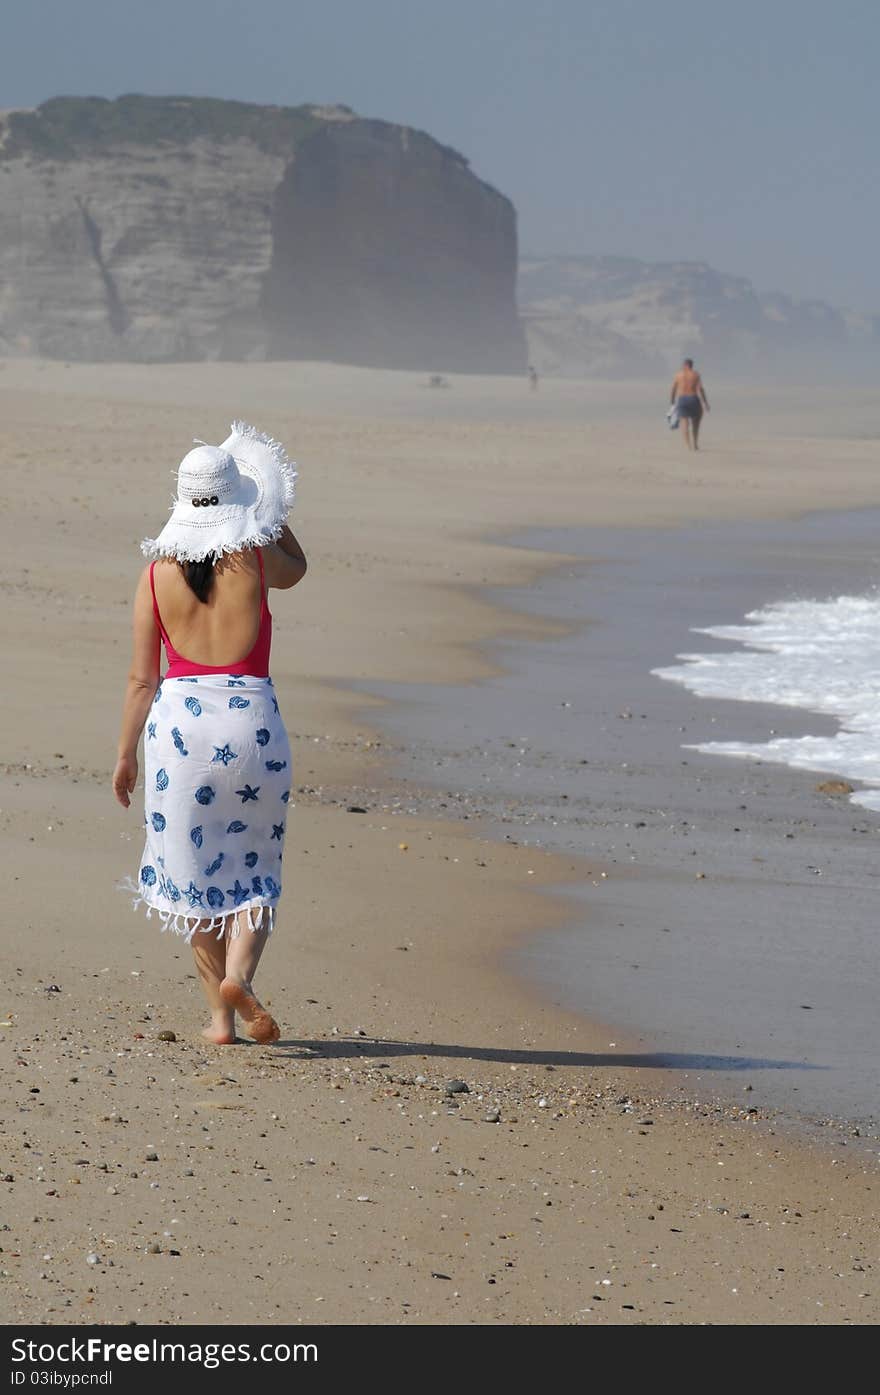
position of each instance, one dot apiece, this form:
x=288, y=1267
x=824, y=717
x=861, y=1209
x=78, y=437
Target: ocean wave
x=822, y=656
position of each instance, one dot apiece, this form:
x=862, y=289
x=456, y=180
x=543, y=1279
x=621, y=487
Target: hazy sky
x=742, y=132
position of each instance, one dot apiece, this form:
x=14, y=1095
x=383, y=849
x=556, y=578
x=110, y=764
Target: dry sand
x=330, y=1178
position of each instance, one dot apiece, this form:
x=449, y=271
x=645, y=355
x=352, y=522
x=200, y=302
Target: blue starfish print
x=248, y=793
x=224, y=754
x=238, y=892
x=194, y=895
x=277, y=831
x=151, y=730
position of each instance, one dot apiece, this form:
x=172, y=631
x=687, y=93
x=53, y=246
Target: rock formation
x=187, y=228
x=613, y=316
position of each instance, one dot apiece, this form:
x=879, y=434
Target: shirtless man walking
x=689, y=395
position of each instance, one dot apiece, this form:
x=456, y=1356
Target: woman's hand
x=125, y=778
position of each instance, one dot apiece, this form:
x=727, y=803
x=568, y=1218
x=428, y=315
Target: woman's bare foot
x=222, y=1029
x=261, y=1025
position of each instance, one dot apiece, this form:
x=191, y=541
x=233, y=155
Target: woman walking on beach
x=216, y=754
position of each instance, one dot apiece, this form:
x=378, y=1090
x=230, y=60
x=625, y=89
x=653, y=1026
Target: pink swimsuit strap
x=255, y=664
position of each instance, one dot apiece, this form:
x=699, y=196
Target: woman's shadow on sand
x=354, y=1048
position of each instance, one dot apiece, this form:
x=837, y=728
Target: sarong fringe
x=257, y=915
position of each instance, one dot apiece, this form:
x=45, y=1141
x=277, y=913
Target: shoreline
x=777, y=795
x=365, y=1192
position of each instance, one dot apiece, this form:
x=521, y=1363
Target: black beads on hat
x=204, y=502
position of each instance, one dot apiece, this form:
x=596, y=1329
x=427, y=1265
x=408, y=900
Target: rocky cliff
x=186, y=228
x=611, y=316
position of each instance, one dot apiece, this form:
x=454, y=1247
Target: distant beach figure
x=217, y=761
x=688, y=396
x=533, y=378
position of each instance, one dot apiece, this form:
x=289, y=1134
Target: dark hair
x=199, y=577
x=688, y=363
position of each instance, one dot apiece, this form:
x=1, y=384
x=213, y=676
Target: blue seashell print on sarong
x=158, y=696
x=215, y=781
x=238, y=892
x=194, y=895
x=224, y=754
x=193, y=705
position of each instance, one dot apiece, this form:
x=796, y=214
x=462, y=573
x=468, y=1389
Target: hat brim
x=191, y=535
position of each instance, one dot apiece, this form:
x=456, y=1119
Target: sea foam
x=823, y=656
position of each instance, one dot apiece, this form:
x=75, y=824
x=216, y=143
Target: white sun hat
x=229, y=498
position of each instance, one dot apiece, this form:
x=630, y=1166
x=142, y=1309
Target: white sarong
x=217, y=773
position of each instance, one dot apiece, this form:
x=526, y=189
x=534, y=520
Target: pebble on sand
x=167, y=1036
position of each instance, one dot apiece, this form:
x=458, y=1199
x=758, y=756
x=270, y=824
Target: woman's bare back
x=224, y=628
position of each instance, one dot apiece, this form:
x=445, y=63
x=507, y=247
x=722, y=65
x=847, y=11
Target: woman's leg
x=243, y=953
x=209, y=953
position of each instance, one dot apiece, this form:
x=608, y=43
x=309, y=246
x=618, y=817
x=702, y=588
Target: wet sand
x=331, y=1178
x=743, y=948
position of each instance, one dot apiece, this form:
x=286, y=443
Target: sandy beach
x=333, y=1178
